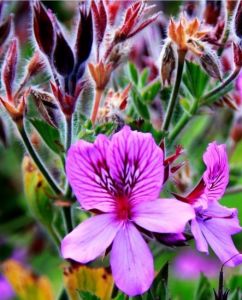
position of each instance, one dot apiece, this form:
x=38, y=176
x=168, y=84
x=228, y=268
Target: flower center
x=123, y=208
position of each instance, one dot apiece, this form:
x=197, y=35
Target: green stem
x=68, y=132
x=187, y=115
x=172, y=101
x=220, y=87
x=68, y=219
x=37, y=160
x=183, y=120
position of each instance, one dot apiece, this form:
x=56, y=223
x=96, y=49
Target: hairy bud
x=35, y=65
x=168, y=63
x=9, y=68
x=84, y=37
x=210, y=63
x=100, y=20
x=43, y=30
x=63, y=56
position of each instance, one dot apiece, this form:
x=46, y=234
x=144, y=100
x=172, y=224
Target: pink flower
x=121, y=179
x=214, y=224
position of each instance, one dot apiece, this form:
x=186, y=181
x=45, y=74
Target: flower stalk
x=173, y=99
x=219, y=88
x=97, y=100
x=37, y=159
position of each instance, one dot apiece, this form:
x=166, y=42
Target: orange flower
x=186, y=34
x=100, y=73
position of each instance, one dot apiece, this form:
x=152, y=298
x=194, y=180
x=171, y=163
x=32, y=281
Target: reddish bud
x=84, y=37
x=133, y=21
x=63, y=56
x=5, y=29
x=35, y=65
x=100, y=20
x=9, y=68
x=66, y=102
x=43, y=29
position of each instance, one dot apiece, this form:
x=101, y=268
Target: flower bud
x=100, y=20
x=63, y=56
x=84, y=37
x=168, y=63
x=210, y=63
x=43, y=30
x=9, y=68
x=5, y=29
x=35, y=65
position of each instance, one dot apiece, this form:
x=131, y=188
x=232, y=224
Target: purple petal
x=136, y=164
x=88, y=174
x=201, y=243
x=90, y=239
x=131, y=261
x=163, y=215
x=216, y=176
x=217, y=226
x=221, y=242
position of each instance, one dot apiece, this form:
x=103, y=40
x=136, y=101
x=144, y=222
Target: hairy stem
x=97, y=100
x=37, y=160
x=183, y=121
x=225, y=83
x=173, y=99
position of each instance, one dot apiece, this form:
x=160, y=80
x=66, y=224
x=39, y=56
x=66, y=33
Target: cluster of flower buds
x=186, y=36
x=67, y=63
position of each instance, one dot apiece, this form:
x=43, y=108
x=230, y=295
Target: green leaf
x=151, y=92
x=204, y=290
x=195, y=80
x=235, y=295
x=140, y=107
x=105, y=128
x=120, y=296
x=144, y=77
x=133, y=73
x=185, y=104
x=49, y=134
x=159, y=288
x=88, y=296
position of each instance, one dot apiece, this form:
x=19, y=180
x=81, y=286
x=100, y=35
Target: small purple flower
x=120, y=180
x=189, y=264
x=214, y=224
